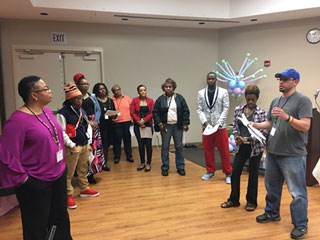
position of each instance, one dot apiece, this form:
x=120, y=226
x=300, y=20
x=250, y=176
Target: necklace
x=54, y=135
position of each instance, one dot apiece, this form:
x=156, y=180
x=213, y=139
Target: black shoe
x=105, y=168
x=165, y=173
x=265, y=218
x=91, y=179
x=181, y=172
x=298, y=232
x=141, y=167
x=130, y=160
x=116, y=160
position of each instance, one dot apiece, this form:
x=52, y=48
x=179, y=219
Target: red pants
x=220, y=139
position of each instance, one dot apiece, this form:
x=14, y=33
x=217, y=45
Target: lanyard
x=77, y=115
x=119, y=102
x=215, y=100
x=54, y=135
x=169, y=103
x=276, y=119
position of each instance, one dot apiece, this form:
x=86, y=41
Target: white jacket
x=219, y=111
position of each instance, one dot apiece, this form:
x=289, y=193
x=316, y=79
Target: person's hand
x=93, y=124
x=207, y=123
x=141, y=122
x=252, y=124
x=25, y=180
x=278, y=112
x=185, y=128
x=162, y=128
x=240, y=140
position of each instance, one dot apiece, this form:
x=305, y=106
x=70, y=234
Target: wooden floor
x=138, y=206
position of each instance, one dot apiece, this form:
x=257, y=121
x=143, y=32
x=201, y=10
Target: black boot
x=91, y=179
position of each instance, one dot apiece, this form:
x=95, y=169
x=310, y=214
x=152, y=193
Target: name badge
x=59, y=155
x=106, y=117
x=273, y=131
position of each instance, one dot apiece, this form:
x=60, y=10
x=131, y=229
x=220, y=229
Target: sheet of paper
x=131, y=131
x=255, y=133
x=146, y=132
x=111, y=113
x=210, y=129
x=316, y=171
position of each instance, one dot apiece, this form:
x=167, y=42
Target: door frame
x=36, y=49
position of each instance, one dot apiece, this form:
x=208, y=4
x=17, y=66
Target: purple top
x=27, y=149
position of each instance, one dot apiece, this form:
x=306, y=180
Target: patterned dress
x=97, y=149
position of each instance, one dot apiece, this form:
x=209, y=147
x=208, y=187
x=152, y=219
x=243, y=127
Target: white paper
x=255, y=133
x=112, y=113
x=131, y=131
x=316, y=171
x=91, y=157
x=145, y=132
x=210, y=129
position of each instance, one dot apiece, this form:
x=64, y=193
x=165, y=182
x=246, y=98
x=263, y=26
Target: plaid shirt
x=259, y=115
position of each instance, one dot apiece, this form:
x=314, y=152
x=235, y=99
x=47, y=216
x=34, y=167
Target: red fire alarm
x=267, y=63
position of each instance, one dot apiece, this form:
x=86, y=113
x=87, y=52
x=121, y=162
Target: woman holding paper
x=248, y=148
x=106, y=125
x=141, y=112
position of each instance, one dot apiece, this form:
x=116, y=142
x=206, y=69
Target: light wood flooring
x=145, y=205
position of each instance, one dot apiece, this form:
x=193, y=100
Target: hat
x=72, y=91
x=289, y=73
x=77, y=77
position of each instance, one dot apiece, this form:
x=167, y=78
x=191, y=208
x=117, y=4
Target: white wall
x=284, y=44
x=132, y=56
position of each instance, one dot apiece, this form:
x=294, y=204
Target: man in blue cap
x=288, y=120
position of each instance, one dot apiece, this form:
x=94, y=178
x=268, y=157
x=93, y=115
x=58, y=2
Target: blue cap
x=289, y=73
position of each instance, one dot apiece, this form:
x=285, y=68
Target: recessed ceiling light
x=253, y=19
x=44, y=14
x=124, y=19
x=201, y=23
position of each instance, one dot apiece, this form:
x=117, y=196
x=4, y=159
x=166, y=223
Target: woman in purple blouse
x=32, y=159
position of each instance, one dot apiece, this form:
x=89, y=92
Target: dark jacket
x=71, y=117
x=160, y=111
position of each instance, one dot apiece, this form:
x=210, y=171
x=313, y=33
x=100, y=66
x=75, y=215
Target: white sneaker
x=228, y=178
x=207, y=176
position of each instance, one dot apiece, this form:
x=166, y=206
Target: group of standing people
x=34, y=159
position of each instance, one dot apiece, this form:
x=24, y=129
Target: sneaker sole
x=298, y=237
x=89, y=195
x=72, y=207
x=206, y=179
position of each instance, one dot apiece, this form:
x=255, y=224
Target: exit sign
x=59, y=38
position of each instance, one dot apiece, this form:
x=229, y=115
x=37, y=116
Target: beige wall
x=284, y=44
x=148, y=55
x=132, y=56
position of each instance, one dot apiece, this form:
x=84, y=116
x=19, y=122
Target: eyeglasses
x=45, y=89
x=285, y=79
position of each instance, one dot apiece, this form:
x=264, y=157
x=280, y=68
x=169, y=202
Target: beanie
x=72, y=91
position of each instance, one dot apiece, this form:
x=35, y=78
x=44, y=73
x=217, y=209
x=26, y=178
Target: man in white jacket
x=213, y=106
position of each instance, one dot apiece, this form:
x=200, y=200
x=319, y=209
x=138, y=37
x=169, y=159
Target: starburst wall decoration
x=237, y=81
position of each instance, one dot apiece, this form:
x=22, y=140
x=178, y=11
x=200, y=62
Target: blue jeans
x=292, y=169
x=172, y=130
